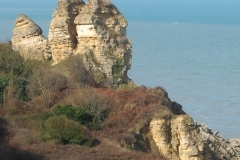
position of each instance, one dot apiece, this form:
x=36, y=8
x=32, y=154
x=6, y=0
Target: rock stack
x=96, y=30
x=28, y=39
x=101, y=30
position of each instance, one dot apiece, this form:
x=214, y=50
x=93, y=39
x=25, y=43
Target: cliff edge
x=96, y=30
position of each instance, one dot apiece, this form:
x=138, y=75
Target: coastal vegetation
x=62, y=112
x=46, y=109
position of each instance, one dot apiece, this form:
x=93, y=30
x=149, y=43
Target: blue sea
x=189, y=47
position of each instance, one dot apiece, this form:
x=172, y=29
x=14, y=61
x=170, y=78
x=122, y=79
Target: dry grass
x=22, y=145
x=101, y=152
x=126, y=110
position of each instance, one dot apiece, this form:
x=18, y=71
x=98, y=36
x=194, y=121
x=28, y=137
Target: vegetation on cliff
x=61, y=112
x=45, y=110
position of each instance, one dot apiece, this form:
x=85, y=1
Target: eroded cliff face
x=96, y=30
x=102, y=39
x=28, y=39
x=62, y=32
x=177, y=137
x=164, y=128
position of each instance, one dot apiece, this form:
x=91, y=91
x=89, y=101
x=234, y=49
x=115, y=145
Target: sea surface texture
x=190, y=48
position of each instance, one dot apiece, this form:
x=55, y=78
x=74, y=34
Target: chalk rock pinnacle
x=28, y=39
x=102, y=39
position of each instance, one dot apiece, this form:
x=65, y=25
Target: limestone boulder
x=28, y=39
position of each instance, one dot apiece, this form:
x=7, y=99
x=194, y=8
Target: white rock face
x=86, y=31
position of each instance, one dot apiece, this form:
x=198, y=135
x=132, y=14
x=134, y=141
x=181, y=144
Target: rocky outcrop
x=178, y=137
x=62, y=32
x=102, y=39
x=28, y=39
x=96, y=30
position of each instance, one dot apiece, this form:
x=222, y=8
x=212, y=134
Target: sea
x=191, y=48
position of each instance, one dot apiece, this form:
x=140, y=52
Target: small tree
x=61, y=130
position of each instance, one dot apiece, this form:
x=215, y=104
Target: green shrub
x=99, y=76
x=129, y=85
x=10, y=61
x=67, y=110
x=20, y=86
x=4, y=81
x=81, y=115
x=116, y=71
x=37, y=120
x=12, y=68
x=86, y=117
x=61, y=130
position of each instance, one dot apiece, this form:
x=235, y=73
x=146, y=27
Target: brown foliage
x=46, y=83
x=122, y=110
x=125, y=109
x=101, y=152
x=78, y=75
x=10, y=101
x=8, y=136
x=130, y=107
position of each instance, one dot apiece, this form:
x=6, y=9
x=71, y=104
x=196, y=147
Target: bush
x=99, y=77
x=63, y=131
x=20, y=85
x=68, y=111
x=42, y=82
x=116, y=71
x=12, y=68
x=46, y=86
x=37, y=120
x=10, y=61
x=81, y=115
x=75, y=68
x=4, y=80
